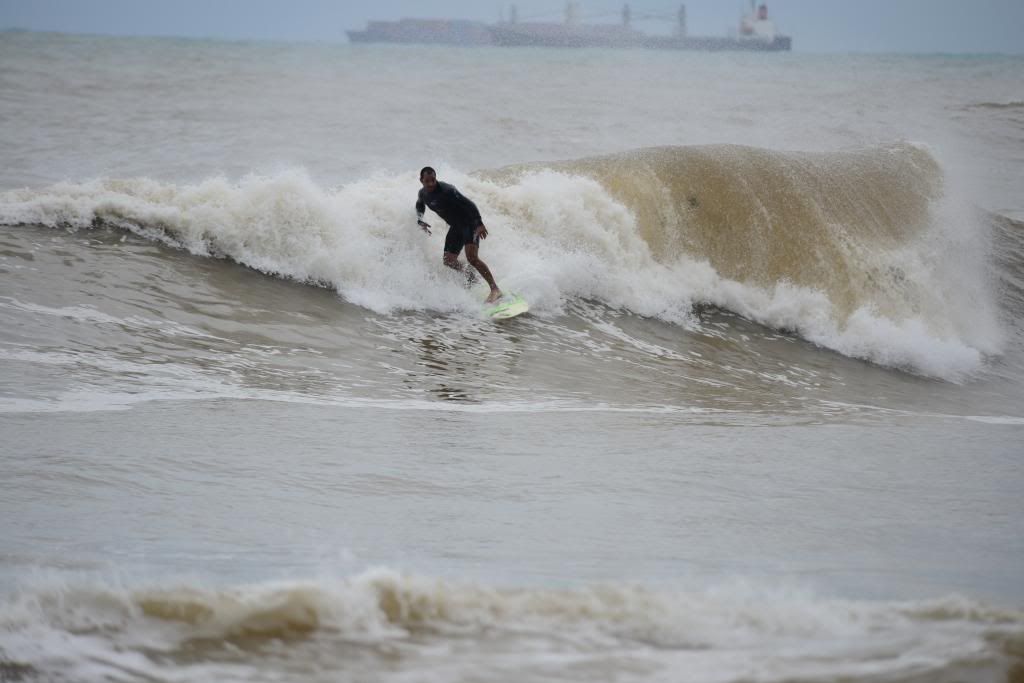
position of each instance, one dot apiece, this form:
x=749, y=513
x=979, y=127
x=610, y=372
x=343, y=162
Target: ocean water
x=764, y=421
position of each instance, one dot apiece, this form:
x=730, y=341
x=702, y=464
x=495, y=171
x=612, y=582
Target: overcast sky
x=978, y=26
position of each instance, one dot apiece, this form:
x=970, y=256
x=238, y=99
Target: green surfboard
x=508, y=306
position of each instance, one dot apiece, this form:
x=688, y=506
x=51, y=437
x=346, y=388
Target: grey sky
x=816, y=25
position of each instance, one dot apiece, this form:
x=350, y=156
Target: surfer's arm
x=475, y=212
x=469, y=209
x=481, y=229
x=421, y=208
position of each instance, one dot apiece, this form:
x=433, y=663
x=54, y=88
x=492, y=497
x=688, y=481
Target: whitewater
x=762, y=423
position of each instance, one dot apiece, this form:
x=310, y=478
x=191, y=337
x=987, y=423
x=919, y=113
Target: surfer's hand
x=425, y=226
x=481, y=232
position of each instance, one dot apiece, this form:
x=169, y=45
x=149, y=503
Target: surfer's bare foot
x=494, y=296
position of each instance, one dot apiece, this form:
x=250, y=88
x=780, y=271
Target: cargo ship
x=756, y=32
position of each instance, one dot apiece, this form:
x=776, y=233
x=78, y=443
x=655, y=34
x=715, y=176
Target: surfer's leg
x=481, y=267
x=452, y=247
x=452, y=261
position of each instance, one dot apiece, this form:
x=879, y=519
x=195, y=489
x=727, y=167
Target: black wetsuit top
x=451, y=205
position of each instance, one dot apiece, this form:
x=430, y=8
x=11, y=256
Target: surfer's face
x=429, y=181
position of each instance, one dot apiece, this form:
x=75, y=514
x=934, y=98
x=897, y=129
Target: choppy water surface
x=763, y=422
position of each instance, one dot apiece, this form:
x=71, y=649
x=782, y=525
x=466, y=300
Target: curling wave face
x=863, y=252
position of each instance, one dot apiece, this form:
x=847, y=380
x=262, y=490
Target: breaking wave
x=389, y=624
x=863, y=252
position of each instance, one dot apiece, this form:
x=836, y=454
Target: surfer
x=465, y=227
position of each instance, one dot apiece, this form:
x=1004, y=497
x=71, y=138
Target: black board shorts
x=459, y=236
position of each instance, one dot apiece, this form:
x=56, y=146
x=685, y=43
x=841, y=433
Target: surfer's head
x=428, y=177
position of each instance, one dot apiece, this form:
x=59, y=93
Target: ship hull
x=559, y=35
x=715, y=44
x=424, y=32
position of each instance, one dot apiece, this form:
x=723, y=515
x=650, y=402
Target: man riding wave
x=465, y=227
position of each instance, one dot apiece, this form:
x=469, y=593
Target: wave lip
x=388, y=624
